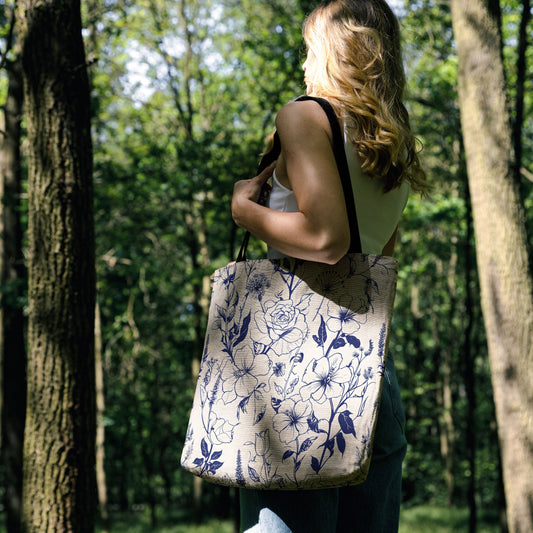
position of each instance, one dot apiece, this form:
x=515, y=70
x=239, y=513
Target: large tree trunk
x=59, y=449
x=499, y=222
x=12, y=272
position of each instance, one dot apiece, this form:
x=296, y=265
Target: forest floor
x=421, y=519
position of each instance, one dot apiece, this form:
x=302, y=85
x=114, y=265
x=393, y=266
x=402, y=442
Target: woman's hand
x=245, y=191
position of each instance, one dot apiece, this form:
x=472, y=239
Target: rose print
x=284, y=324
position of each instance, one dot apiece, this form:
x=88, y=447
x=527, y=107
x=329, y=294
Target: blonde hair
x=359, y=69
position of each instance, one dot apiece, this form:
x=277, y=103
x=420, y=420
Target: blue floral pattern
x=291, y=372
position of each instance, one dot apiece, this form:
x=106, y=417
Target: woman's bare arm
x=319, y=231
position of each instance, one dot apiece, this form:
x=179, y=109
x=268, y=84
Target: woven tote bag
x=291, y=374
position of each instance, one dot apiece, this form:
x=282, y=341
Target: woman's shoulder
x=302, y=116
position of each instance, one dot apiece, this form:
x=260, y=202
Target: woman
x=354, y=61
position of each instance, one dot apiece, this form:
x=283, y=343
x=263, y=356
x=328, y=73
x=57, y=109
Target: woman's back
x=378, y=212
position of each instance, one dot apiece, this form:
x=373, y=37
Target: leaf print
x=242, y=406
x=287, y=454
x=293, y=384
x=205, y=448
x=354, y=341
x=307, y=443
x=214, y=466
x=338, y=343
x=330, y=446
x=228, y=279
x=346, y=423
x=341, y=443
x=261, y=414
x=198, y=461
x=244, y=329
x=254, y=476
x=221, y=312
x=322, y=336
x=216, y=455
x=312, y=422
x=315, y=464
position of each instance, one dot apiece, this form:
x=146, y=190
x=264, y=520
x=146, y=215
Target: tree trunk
x=202, y=291
x=499, y=223
x=100, y=428
x=469, y=368
x=59, y=449
x=13, y=275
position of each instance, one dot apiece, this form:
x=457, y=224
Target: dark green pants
x=371, y=507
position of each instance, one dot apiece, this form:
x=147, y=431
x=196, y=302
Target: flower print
x=257, y=284
x=243, y=378
x=346, y=314
x=328, y=283
x=284, y=323
x=278, y=369
x=225, y=275
x=262, y=442
x=291, y=420
x=324, y=378
x=221, y=430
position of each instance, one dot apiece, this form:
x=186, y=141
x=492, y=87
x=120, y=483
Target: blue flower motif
x=262, y=443
x=283, y=325
x=278, y=369
x=347, y=315
x=247, y=367
x=291, y=420
x=257, y=284
x=324, y=378
x=221, y=430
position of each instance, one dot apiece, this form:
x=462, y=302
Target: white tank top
x=378, y=213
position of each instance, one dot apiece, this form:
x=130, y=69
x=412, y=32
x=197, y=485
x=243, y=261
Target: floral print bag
x=291, y=374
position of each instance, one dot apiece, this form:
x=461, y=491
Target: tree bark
x=501, y=245
x=100, y=428
x=13, y=279
x=59, y=449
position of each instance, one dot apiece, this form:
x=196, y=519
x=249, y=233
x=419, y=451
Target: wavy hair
x=355, y=45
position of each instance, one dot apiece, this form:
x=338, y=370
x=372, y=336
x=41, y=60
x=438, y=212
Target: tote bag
x=291, y=374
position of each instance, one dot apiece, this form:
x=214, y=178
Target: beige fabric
x=291, y=373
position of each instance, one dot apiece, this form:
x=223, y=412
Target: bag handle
x=342, y=166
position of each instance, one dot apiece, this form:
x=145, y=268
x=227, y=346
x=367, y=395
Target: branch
x=526, y=174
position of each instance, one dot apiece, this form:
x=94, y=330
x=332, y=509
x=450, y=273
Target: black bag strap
x=344, y=172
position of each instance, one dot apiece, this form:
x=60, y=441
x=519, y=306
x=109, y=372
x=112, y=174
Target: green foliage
x=184, y=96
x=443, y=520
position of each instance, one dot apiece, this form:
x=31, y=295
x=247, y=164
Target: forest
x=124, y=126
